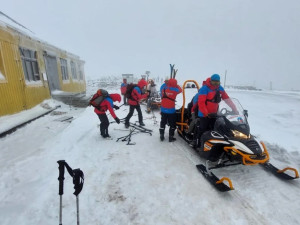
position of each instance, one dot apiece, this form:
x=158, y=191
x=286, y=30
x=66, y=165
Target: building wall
x=17, y=93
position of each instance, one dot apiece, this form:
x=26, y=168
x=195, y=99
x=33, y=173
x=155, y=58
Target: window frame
x=64, y=69
x=30, y=65
x=73, y=65
x=2, y=67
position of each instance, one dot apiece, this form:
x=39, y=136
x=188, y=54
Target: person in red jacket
x=107, y=104
x=209, y=97
x=134, y=102
x=168, y=94
x=123, y=90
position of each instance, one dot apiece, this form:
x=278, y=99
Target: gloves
x=116, y=107
x=117, y=120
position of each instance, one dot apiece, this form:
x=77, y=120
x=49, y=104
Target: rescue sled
x=228, y=143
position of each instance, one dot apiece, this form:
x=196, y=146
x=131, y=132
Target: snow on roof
x=9, y=23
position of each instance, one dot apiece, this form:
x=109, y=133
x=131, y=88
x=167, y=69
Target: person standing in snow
x=209, y=97
x=107, y=104
x=164, y=84
x=123, y=90
x=134, y=102
x=168, y=93
x=151, y=89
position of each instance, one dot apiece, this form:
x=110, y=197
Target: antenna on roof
x=15, y=21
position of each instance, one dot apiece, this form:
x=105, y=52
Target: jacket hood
x=115, y=97
x=207, y=83
x=142, y=83
x=172, y=83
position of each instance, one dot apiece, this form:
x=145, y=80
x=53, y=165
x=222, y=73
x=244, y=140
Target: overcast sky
x=256, y=41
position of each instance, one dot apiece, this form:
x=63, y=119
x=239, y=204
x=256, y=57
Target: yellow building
x=31, y=70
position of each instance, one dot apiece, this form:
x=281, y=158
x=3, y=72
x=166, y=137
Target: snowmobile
x=228, y=143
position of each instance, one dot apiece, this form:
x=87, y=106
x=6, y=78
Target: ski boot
x=142, y=124
x=172, y=139
x=162, y=133
x=171, y=135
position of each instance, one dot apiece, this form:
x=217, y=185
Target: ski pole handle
x=61, y=178
x=78, y=181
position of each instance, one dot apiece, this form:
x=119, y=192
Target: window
x=73, y=70
x=64, y=69
x=30, y=64
x=2, y=77
x=80, y=72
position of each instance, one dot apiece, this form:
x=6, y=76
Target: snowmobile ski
x=214, y=180
x=281, y=173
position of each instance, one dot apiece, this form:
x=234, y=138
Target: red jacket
x=136, y=94
x=208, y=92
x=106, y=104
x=123, y=88
x=168, y=94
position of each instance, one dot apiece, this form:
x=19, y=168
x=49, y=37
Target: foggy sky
x=257, y=42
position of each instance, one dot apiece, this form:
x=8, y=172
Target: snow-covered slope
x=151, y=182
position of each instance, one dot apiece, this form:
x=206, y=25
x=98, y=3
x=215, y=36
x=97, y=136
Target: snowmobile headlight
x=238, y=134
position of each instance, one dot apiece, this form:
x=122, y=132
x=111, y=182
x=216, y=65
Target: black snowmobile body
x=228, y=143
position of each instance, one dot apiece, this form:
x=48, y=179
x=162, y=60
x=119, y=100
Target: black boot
x=106, y=135
x=102, y=131
x=162, y=134
x=171, y=139
x=171, y=135
x=142, y=124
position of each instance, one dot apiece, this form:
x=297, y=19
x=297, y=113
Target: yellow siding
x=17, y=95
x=12, y=100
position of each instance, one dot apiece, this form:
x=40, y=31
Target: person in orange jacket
x=107, y=104
x=134, y=102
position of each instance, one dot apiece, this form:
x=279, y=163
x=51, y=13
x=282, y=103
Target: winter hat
x=142, y=83
x=172, y=83
x=115, y=97
x=215, y=77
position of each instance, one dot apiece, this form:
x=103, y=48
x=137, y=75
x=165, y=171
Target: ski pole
x=61, y=178
x=78, y=180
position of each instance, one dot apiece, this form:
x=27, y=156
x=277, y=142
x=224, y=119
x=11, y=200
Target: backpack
x=129, y=90
x=98, y=98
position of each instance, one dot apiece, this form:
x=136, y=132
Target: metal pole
x=77, y=204
x=225, y=78
x=61, y=178
x=60, y=211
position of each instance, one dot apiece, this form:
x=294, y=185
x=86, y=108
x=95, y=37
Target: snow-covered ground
x=151, y=182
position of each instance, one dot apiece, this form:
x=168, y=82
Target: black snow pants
x=170, y=119
x=104, y=124
x=131, y=110
x=203, y=124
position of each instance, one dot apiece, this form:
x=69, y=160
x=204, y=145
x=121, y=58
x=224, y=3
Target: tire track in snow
x=250, y=213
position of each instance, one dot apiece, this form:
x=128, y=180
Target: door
x=52, y=72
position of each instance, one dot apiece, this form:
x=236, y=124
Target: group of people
x=204, y=106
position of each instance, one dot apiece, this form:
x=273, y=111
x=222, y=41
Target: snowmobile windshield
x=236, y=116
